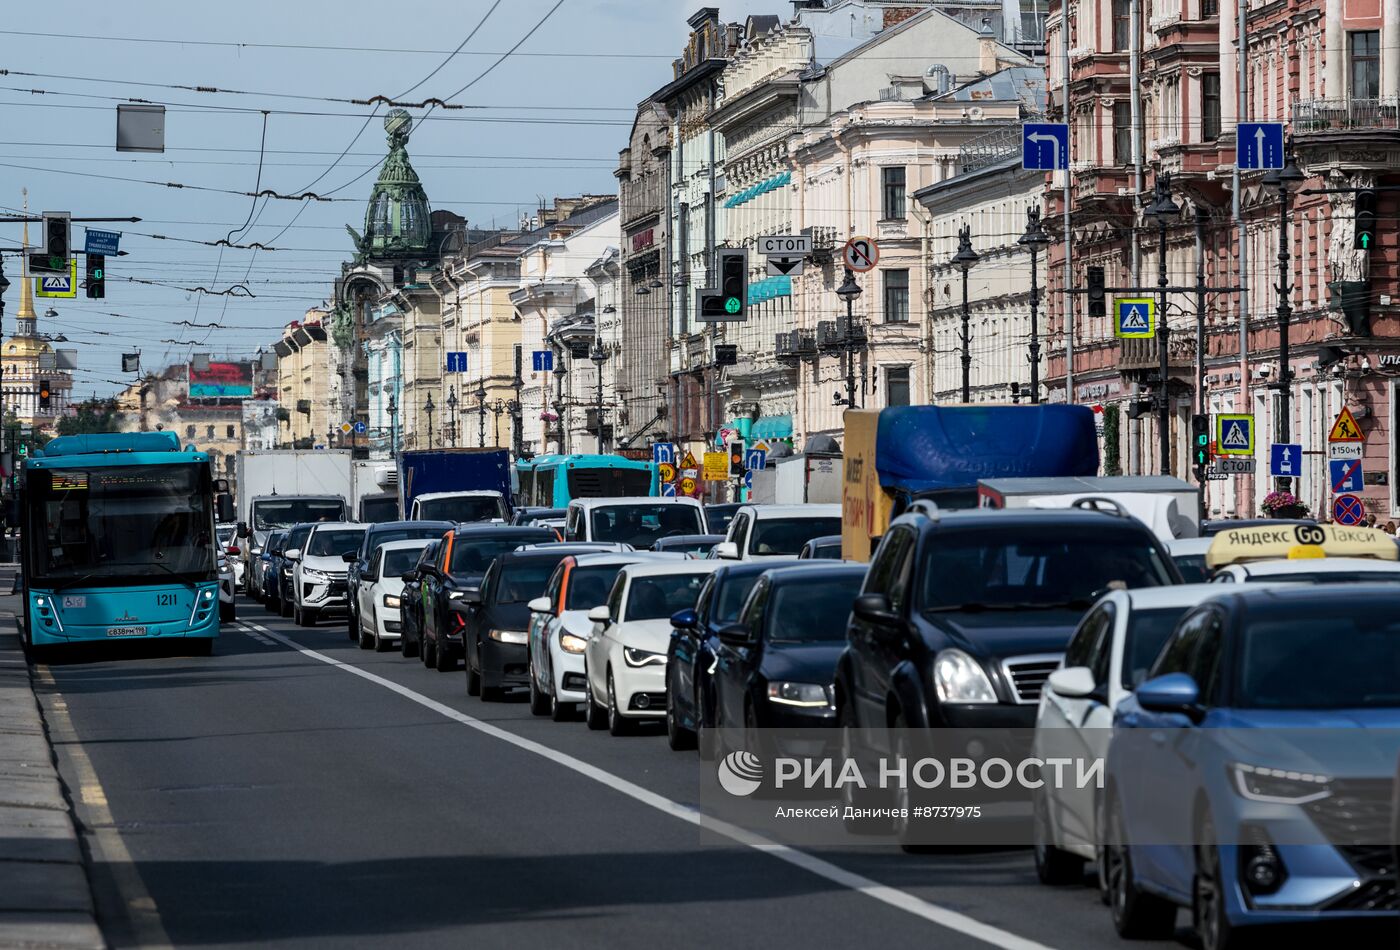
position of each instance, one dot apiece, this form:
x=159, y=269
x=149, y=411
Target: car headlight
x=391, y=600
x=570, y=643
x=958, y=678
x=1279, y=786
x=805, y=695
x=507, y=636
x=635, y=657
x=311, y=574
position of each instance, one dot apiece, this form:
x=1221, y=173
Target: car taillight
x=234, y=549
x=458, y=623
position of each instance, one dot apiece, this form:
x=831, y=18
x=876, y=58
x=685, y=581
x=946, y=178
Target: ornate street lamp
x=849, y=291
x=452, y=410
x=964, y=261
x=1164, y=211
x=429, y=408
x=481, y=416
x=1282, y=178
x=393, y=410
x=1035, y=240
x=599, y=356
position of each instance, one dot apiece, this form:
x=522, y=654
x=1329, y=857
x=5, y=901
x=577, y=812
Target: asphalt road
x=295, y=789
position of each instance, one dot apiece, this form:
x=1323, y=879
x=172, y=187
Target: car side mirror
x=1072, y=682
x=1172, y=693
x=541, y=605
x=601, y=614
x=686, y=619
x=408, y=577
x=735, y=635
x=242, y=529
x=727, y=549
x=293, y=555
x=876, y=609
x=350, y=557
x=472, y=596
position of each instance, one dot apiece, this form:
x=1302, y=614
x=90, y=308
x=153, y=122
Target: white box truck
x=282, y=487
x=812, y=478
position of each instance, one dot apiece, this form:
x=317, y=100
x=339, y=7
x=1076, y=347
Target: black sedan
x=776, y=665
x=825, y=548
x=692, y=545
x=530, y=517
x=493, y=620
x=411, y=601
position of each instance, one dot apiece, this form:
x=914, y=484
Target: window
x=893, y=180
x=189, y=432
x=1210, y=8
x=896, y=296
x=1365, y=64
x=1210, y=106
x=1122, y=133
x=229, y=432
x=1122, y=26
x=897, y=386
x=209, y=432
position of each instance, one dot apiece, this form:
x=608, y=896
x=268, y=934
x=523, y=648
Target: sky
x=547, y=120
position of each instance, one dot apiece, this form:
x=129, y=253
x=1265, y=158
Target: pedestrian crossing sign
x=1136, y=317
x=1234, y=434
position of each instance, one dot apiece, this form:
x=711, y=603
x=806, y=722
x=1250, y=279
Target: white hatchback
x=625, y=659
x=377, y=595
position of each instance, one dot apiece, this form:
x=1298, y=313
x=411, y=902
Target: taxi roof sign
x=1294, y=541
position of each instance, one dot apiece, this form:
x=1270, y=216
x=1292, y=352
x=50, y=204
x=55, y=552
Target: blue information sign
x=101, y=242
x=1045, y=146
x=1345, y=475
x=1285, y=460
x=1259, y=145
x=542, y=361
x=456, y=361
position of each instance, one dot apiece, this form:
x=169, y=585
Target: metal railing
x=988, y=149
x=1329, y=115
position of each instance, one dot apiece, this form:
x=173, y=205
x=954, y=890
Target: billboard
x=222, y=381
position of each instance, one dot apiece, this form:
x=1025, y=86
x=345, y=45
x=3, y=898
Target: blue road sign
x=748, y=479
x=1045, y=146
x=1347, y=510
x=1135, y=317
x=542, y=361
x=1285, y=460
x=663, y=452
x=668, y=490
x=1345, y=475
x=361, y=428
x=1259, y=145
x=101, y=242
x=456, y=361
x=755, y=459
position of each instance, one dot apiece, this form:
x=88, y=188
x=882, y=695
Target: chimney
x=986, y=48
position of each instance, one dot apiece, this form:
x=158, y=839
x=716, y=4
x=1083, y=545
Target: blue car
x=1249, y=777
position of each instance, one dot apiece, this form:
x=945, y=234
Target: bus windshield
x=133, y=521
x=271, y=513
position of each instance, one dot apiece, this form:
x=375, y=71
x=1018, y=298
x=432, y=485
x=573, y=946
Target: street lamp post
x=481, y=416
x=498, y=407
x=849, y=291
x=4, y=286
x=599, y=356
x=393, y=411
x=1035, y=239
x=964, y=261
x=1282, y=178
x=1164, y=211
x=452, y=410
x=429, y=408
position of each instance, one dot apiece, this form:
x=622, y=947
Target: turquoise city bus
x=118, y=541
x=552, y=481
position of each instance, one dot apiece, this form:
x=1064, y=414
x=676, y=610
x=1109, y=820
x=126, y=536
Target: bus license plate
x=126, y=631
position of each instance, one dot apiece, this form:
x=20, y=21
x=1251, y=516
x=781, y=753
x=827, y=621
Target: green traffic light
x=732, y=304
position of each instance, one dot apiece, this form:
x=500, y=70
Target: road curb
x=45, y=895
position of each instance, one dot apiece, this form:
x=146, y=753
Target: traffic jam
x=1199, y=716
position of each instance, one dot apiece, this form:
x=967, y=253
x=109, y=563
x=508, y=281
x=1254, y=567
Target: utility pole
x=1164, y=211
x=1284, y=177
x=1200, y=352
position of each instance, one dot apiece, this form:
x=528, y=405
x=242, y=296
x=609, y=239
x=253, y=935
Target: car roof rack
x=1101, y=503
x=924, y=506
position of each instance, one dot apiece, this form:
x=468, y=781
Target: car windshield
x=335, y=543
x=642, y=524
x=523, y=580
x=399, y=561
x=719, y=516
x=589, y=586
x=1192, y=567
x=733, y=591
x=472, y=556
x=127, y=522
x=1034, y=566
x=1340, y=658
x=297, y=537
x=281, y=512
x=462, y=509
x=659, y=595
x=826, y=550
x=379, y=510
x=384, y=536
x=812, y=611
x=788, y=535
x=1147, y=631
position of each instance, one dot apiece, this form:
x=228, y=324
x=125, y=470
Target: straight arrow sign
x=784, y=266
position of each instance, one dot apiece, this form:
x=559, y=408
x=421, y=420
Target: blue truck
x=462, y=485
x=118, y=541
x=896, y=455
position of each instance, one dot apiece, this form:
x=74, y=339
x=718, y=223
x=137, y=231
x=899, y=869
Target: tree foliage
x=95, y=415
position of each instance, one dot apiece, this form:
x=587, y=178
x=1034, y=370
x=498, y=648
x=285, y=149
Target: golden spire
x=26, y=291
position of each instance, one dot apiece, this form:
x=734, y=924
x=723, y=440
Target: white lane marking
x=242, y=627
x=106, y=839
x=822, y=868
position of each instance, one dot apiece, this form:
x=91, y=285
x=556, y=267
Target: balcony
x=794, y=346
x=1344, y=115
x=823, y=242
x=1139, y=356
x=1351, y=134
x=832, y=338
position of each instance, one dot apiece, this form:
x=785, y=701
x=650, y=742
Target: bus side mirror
x=223, y=508
x=221, y=486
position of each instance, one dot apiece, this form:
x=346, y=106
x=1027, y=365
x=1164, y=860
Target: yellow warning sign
x=687, y=486
x=689, y=461
x=716, y=466
x=1345, y=428
x=667, y=471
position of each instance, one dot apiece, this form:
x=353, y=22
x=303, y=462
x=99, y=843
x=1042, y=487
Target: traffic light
x=96, y=276
x=736, y=459
x=726, y=354
x=1200, y=438
x=1097, y=306
x=56, y=243
x=734, y=281
x=1365, y=220
x=45, y=394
